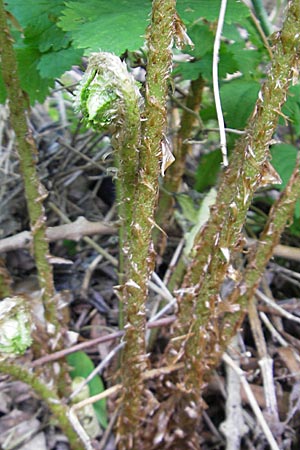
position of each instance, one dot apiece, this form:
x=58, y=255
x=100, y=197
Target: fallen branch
x=73, y=231
x=99, y=340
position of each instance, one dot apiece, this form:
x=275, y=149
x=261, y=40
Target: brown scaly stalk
x=218, y=243
x=280, y=214
x=140, y=253
x=27, y=152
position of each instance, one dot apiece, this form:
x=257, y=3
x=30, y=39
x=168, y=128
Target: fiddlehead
x=109, y=100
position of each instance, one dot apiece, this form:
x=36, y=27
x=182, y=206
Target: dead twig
x=73, y=231
x=83, y=345
x=252, y=401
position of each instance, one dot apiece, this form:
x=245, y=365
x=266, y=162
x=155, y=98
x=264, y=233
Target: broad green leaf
x=192, y=70
x=292, y=108
x=82, y=367
x=31, y=81
x=253, y=34
x=31, y=11
x=207, y=171
x=39, y=18
x=203, y=39
x=192, y=10
x=54, y=64
x=294, y=228
x=247, y=59
x=120, y=25
x=284, y=158
x=238, y=98
x=113, y=26
x=187, y=206
x=44, y=52
x=46, y=35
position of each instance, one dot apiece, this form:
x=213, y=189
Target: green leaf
x=121, y=24
x=31, y=11
x=31, y=81
x=284, y=158
x=294, y=228
x=188, y=208
x=46, y=36
x=54, y=64
x=39, y=19
x=292, y=108
x=208, y=170
x=203, y=39
x=192, y=70
x=247, y=59
x=192, y=10
x=253, y=34
x=82, y=367
x=43, y=51
x=113, y=26
x=238, y=98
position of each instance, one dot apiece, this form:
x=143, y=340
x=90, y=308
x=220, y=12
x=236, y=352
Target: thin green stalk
x=27, y=152
x=262, y=16
x=59, y=410
x=140, y=252
x=219, y=242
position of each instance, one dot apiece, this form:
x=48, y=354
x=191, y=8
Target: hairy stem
x=27, y=153
x=280, y=213
x=59, y=410
x=218, y=243
x=109, y=99
x=140, y=253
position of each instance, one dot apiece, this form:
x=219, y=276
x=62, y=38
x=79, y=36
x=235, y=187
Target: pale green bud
x=105, y=90
x=15, y=327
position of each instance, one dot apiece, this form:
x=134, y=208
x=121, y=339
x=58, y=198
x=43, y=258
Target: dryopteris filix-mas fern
x=109, y=99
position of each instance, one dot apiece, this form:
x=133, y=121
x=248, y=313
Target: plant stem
x=59, y=410
x=140, y=257
x=109, y=99
x=220, y=240
x=27, y=153
x=280, y=213
x=262, y=16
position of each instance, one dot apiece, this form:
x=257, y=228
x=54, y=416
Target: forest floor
x=76, y=167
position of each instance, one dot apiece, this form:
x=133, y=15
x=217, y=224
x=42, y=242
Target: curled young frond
x=15, y=327
x=106, y=92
